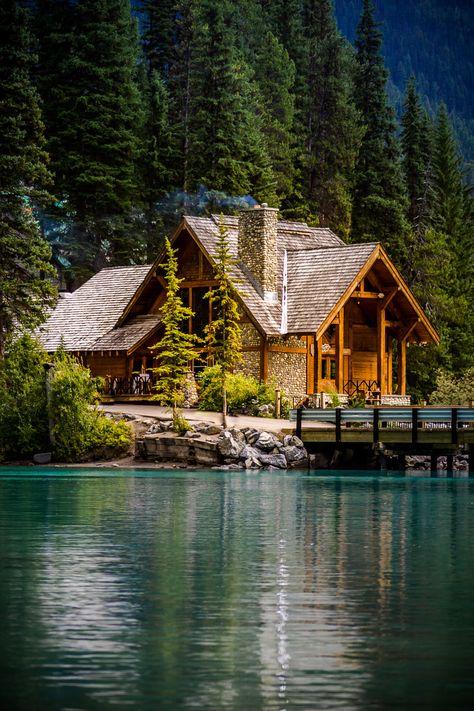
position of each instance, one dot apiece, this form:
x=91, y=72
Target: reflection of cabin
x=316, y=314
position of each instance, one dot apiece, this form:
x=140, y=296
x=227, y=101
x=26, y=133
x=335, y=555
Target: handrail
x=414, y=417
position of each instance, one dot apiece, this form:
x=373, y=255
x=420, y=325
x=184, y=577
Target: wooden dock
x=397, y=431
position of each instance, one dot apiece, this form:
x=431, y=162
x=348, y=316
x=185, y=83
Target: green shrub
x=356, y=401
x=23, y=411
x=451, y=390
x=245, y=394
x=80, y=431
x=180, y=424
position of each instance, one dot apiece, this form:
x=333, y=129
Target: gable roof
x=317, y=281
x=88, y=314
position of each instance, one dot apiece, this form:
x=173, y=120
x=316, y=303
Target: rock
x=274, y=460
x=294, y=454
x=42, y=458
x=253, y=463
x=266, y=441
x=154, y=429
x=166, y=425
x=249, y=451
x=266, y=410
x=199, y=426
x=252, y=436
x=237, y=434
x=192, y=435
x=292, y=441
x=212, y=429
x=228, y=446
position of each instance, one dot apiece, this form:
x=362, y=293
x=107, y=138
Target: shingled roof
x=83, y=318
x=291, y=236
x=318, y=279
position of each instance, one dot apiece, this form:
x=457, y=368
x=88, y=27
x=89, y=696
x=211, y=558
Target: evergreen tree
x=333, y=132
x=94, y=137
x=156, y=160
x=275, y=73
x=378, y=203
x=227, y=150
x=25, y=286
x=158, y=30
x=176, y=347
x=224, y=334
x=415, y=140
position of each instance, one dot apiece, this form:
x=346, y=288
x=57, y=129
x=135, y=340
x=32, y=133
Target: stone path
x=163, y=413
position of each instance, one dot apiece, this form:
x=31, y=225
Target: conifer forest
x=117, y=117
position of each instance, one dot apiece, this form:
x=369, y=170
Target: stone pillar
x=257, y=247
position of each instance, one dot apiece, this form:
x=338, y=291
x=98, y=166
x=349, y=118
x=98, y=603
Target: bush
x=23, y=411
x=451, y=390
x=180, y=424
x=245, y=394
x=80, y=431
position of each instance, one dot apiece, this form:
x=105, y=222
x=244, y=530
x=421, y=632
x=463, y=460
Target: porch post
x=389, y=365
x=402, y=366
x=317, y=364
x=310, y=359
x=381, y=349
x=340, y=353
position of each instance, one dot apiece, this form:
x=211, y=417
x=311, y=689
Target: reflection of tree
x=236, y=591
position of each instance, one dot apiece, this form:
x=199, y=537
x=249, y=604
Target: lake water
x=215, y=591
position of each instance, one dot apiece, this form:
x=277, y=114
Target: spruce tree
x=378, y=199
x=224, y=333
x=94, y=136
x=416, y=148
x=227, y=148
x=25, y=272
x=332, y=128
x=275, y=74
x=158, y=30
x=177, y=347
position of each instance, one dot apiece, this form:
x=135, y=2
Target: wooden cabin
x=316, y=314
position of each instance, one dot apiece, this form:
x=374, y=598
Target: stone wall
x=250, y=364
x=258, y=246
x=289, y=371
x=250, y=335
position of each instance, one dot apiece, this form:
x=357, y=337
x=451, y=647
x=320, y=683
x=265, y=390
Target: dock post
x=338, y=424
x=454, y=425
x=299, y=412
x=449, y=465
x=376, y=425
x=434, y=462
x=414, y=425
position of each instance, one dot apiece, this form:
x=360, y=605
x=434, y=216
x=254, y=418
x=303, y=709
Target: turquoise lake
x=169, y=590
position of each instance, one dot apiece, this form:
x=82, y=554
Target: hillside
x=431, y=39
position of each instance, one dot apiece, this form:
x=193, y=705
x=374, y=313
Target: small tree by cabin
x=223, y=332
x=177, y=347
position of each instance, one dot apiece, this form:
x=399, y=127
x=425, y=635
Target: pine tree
x=176, y=347
x=332, y=128
x=224, y=333
x=158, y=29
x=378, y=203
x=157, y=158
x=275, y=74
x=25, y=286
x=94, y=136
x=227, y=149
x=415, y=141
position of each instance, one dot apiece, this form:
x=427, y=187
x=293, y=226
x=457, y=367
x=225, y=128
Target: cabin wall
x=104, y=365
x=287, y=364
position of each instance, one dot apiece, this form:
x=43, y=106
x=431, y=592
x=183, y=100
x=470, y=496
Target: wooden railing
x=365, y=387
x=136, y=385
x=378, y=418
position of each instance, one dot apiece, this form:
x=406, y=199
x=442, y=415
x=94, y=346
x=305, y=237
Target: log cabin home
x=317, y=315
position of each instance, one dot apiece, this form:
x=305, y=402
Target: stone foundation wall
x=289, y=371
x=250, y=335
x=250, y=364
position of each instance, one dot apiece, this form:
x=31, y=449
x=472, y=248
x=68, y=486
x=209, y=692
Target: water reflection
x=213, y=591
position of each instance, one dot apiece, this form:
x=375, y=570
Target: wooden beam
x=264, y=359
x=310, y=353
x=364, y=295
x=318, y=364
x=406, y=333
x=381, y=349
x=286, y=349
x=402, y=367
x=389, y=365
x=340, y=352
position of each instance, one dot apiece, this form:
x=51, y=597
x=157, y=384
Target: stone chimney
x=258, y=247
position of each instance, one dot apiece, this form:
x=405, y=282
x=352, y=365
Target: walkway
x=163, y=413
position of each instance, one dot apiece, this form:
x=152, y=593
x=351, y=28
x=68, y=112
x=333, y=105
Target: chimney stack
x=258, y=247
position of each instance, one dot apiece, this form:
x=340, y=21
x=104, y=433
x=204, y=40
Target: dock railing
x=378, y=419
